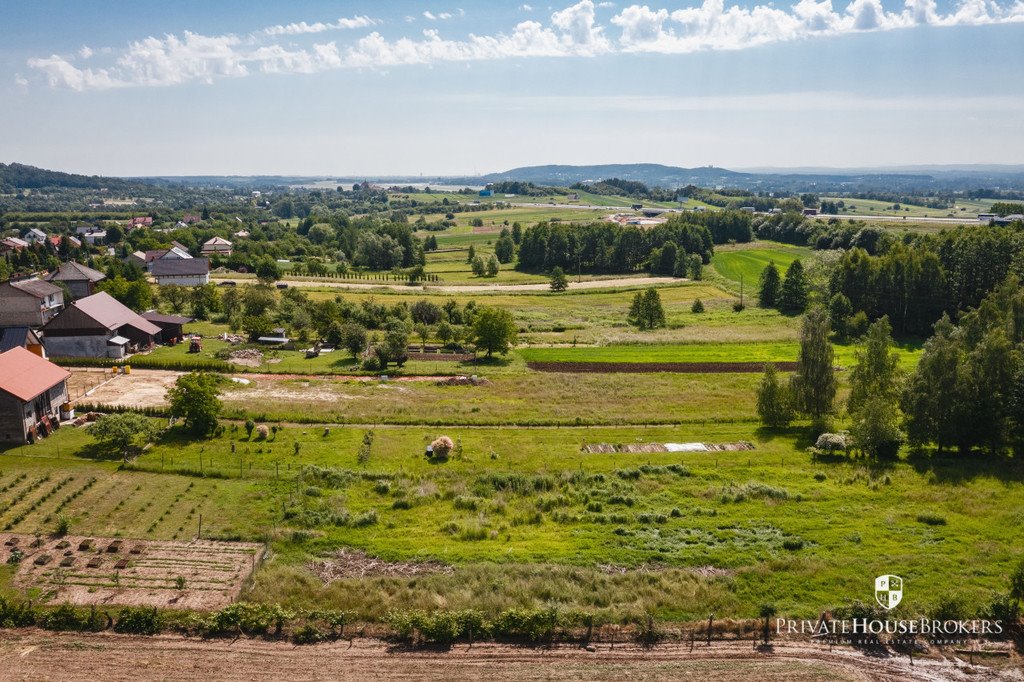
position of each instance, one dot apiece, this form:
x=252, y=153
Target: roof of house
x=16, y=337
x=217, y=241
x=154, y=254
x=15, y=242
x=25, y=375
x=75, y=272
x=157, y=318
x=105, y=311
x=36, y=287
x=180, y=266
x=37, y=232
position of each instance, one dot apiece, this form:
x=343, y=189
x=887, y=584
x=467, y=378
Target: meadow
x=526, y=518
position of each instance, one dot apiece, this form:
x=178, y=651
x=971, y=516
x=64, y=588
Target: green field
x=526, y=518
x=746, y=262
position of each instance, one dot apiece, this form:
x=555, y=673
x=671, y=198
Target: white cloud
x=525, y=8
x=319, y=27
x=571, y=32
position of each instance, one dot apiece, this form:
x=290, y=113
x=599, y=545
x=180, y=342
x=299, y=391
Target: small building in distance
x=12, y=244
x=140, y=221
x=98, y=326
x=31, y=392
x=216, y=245
x=171, y=326
x=35, y=236
x=486, y=193
x=29, y=303
x=80, y=280
x=21, y=337
x=810, y=211
x=187, y=272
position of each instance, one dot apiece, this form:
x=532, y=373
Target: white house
x=35, y=236
x=216, y=245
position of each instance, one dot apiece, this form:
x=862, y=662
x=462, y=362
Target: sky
x=461, y=87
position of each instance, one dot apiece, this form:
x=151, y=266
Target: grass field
x=526, y=518
x=746, y=262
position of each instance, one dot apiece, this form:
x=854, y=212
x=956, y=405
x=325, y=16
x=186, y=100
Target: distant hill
x=15, y=176
x=651, y=174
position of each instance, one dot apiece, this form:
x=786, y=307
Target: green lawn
x=746, y=262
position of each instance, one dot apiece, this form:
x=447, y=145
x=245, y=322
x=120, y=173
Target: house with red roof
x=140, y=221
x=31, y=392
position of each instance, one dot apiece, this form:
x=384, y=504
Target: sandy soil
x=213, y=571
x=486, y=288
x=38, y=655
x=148, y=387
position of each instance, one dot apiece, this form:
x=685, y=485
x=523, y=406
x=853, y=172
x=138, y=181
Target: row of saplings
x=537, y=625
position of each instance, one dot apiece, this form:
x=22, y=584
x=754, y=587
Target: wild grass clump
x=931, y=519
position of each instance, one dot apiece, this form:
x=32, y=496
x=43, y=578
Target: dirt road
x=484, y=288
x=39, y=655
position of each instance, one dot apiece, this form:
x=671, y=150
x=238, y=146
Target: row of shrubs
x=536, y=625
x=262, y=620
x=147, y=362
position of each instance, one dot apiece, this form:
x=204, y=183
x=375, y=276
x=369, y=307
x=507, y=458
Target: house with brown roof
x=31, y=392
x=80, y=280
x=140, y=221
x=98, y=326
x=187, y=272
x=12, y=244
x=29, y=303
x=216, y=245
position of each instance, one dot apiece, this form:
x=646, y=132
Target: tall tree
x=194, y=398
x=814, y=384
x=875, y=384
x=494, y=330
x=793, y=297
x=771, y=284
x=558, y=279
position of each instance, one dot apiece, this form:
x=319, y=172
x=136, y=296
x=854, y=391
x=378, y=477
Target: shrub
x=831, y=442
x=138, y=621
x=262, y=432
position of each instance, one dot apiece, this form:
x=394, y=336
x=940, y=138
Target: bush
x=831, y=442
x=697, y=307
x=262, y=432
x=138, y=621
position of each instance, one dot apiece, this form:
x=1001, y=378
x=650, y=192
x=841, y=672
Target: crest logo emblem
x=888, y=591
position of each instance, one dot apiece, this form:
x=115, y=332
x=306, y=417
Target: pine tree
x=770, y=285
x=814, y=384
x=558, y=279
x=646, y=311
x=793, y=297
x=472, y=254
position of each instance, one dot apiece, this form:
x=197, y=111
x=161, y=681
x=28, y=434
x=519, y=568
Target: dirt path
x=38, y=655
x=648, y=367
x=485, y=288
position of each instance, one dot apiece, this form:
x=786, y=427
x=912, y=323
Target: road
x=480, y=288
x=903, y=219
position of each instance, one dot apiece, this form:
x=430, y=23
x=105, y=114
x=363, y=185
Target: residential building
x=218, y=246
x=35, y=236
x=21, y=337
x=140, y=221
x=80, y=280
x=12, y=244
x=98, y=326
x=32, y=391
x=189, y=272
x=29, y=303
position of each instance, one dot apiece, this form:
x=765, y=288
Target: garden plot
x=83, y=570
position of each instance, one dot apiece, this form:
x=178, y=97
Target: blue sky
x=458, y=86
